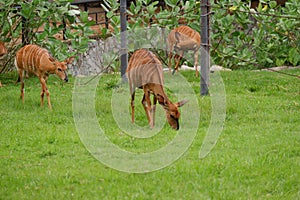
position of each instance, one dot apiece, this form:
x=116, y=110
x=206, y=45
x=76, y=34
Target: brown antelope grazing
x=3, y=51
x=180, y=39
x=36, y=60
x=145, y=72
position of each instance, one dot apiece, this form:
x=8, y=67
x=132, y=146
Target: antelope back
x=144, y=68
x=184, y=38
x=3, y=49
x=37, y=60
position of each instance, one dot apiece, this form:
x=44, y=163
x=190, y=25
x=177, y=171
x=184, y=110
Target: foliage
x=240, y=37
x=45, y=23
x=265, y=37
x=256, y=156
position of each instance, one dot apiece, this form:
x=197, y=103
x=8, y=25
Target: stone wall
x=96, y=59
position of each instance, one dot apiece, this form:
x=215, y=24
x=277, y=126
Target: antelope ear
x=181, y=103
x=51, y=59
x=69, y=60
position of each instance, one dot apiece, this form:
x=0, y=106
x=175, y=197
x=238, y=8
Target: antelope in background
x=145, y=71
x=180, y=39
x=36, y=60
x=3, y=51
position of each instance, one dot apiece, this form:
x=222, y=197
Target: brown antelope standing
x=145, y=71
x=180, y=39
x=3, y=51
x=36, y=60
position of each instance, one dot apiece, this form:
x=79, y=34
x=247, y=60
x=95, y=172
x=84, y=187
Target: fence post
x=25, y=39
x=124, y=54
x=205, y=53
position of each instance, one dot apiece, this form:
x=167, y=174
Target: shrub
x=43, y=22
x=240, y=37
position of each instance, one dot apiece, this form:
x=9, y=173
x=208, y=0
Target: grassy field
x=257, y=155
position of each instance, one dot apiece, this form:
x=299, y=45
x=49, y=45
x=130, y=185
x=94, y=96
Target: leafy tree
x=53, y=25
x=240, y=37
x=247, y=38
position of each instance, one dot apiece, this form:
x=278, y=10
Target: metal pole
x=25, y=29
x=25, y=39
x=205, y=54
x=124, y=53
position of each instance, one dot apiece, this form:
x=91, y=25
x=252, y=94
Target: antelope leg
x=153, y=108
x=147, y=107
x=45, y=89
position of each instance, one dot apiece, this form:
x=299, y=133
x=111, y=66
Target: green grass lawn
x=257, y=155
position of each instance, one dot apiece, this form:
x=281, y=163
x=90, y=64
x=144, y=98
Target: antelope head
x=61, y=69
x=172, y=113
x=184, y=42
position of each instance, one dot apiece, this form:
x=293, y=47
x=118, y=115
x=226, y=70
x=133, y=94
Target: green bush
x=57, y=17
x=240, y=37
x=247, y=38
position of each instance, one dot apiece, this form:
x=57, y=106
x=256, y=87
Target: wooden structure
x=95, y=10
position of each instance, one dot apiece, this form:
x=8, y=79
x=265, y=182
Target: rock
x=279, y=68
x=185, y=67
x=214, y=68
